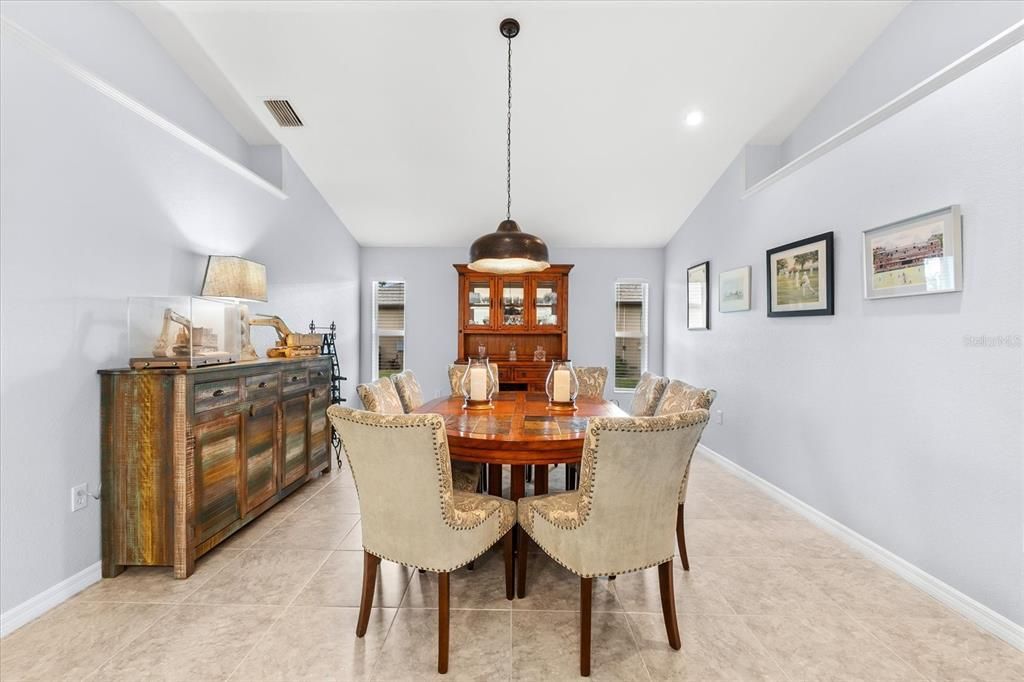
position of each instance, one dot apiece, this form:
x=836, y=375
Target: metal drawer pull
x=320, y=374
x=295, y=378
x=218, y=393
x=263, y=384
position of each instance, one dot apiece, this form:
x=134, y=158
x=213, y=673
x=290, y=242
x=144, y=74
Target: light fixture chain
x=508, y=140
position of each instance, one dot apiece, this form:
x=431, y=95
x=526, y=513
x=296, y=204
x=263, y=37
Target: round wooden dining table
x=519, y=430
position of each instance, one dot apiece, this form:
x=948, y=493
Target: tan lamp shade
x=234, y=277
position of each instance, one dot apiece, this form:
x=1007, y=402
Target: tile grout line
x=172, y=605
x=284, y=609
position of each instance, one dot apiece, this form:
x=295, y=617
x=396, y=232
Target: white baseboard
x=977, y=613
x=30, y=609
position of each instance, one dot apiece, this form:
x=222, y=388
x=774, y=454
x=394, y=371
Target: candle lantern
x=477, y=384
x=562, y=386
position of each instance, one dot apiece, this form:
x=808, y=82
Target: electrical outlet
x=80, y=497
x=719, y=417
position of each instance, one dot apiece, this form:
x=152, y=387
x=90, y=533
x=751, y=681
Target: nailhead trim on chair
x=449, y=513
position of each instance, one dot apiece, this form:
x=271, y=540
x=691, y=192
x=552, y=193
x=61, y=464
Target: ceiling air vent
x=283, y=113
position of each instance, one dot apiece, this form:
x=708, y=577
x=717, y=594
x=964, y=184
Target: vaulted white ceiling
x=404, y=103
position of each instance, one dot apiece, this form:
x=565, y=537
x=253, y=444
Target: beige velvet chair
x=410, y=513
x=620, y=520
x=380, y=396
x=408, y=389
x=592, y=381
x=680, y=396
x=647, y=394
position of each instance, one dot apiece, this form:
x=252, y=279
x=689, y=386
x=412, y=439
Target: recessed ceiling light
x=695, y=118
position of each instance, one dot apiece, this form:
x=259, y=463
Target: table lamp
x=239, y=280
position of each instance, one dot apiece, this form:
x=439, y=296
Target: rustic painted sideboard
x=191, y=456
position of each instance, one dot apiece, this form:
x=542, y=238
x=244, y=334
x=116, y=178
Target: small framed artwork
x=734, y=290
x=919, y=255
x=698, y=296
x=801, y=279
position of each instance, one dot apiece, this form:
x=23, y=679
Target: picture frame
x=734, y=290
x=698, y=297
x=801, y=277
x=915, y=256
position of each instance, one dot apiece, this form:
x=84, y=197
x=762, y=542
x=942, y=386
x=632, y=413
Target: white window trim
x=376, y=334
x=644, y=334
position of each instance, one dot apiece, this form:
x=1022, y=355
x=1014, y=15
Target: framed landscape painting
x=698, y=296
x=801, y=279
x=734, y=290
x=919, y=255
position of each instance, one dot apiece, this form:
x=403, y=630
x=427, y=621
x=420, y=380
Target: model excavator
x=289, y=344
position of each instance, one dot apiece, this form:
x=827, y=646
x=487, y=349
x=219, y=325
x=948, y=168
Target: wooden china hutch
x=527, y=311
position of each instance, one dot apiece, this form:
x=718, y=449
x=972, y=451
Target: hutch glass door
x=546, y=302
x=513, y=303
x=478, y=303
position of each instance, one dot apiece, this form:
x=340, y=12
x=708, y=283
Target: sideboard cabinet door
x=218, y=450
x=295, y=416
x=319, y=433
x=260, y=448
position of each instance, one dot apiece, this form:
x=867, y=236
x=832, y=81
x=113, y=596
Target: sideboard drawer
x=261, y=385
x=213, y=394
x=319, y=375
x=294, y=380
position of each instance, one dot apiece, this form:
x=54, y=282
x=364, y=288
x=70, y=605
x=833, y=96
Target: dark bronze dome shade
x=508, y=250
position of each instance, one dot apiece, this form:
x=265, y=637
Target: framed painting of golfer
x=920, y=255
x=801, y=278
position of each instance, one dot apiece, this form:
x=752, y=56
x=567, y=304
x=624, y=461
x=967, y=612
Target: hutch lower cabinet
x=191, y=456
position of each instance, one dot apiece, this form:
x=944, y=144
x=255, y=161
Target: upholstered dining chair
x=410, y=513
x=647, y=394
x=620, y=520
x=592, y=381
x=380, y=396
x=680, y=396
x=408, y=389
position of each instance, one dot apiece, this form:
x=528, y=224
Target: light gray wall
x=883, y=417
x=432, y=319
x=98, y=204
x=925, y=37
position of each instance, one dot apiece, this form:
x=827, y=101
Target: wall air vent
x=283, y=113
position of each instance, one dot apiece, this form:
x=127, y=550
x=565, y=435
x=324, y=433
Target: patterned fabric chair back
x=380, y=396
x=647, y=394
x=592, y=381
x=408, y=389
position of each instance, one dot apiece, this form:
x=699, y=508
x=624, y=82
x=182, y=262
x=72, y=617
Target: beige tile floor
x=770, y=597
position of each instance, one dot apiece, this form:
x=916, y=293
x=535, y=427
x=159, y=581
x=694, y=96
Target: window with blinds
x=630, y=333
x=389, y=327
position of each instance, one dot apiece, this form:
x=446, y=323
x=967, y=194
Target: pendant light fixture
x=508, y=250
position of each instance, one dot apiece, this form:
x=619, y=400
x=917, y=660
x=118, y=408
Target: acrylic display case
x=182, y=332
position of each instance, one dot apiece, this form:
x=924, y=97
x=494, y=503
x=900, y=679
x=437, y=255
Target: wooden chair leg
x=370, y=564
x=668, y=603
x=510, y=578
x=681, y=539
x=524, y=551
x=586, y=592
x=443, y=601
